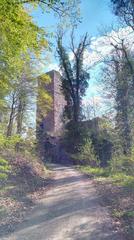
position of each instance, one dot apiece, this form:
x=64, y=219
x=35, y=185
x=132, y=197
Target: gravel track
x=70, y=210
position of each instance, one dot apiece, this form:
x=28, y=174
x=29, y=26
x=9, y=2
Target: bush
x=17, y=143
x=86, y=155
x=123, y=163
x=4, y=169
x=9, y=143
x=96, y=171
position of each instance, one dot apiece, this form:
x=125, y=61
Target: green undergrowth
x=23, y=177
x=119, y=178
x=123, y=214
x=3, y=211
x=123, y=180
x=94, y=172
x=115, y=185
x=117, y=190
x=21, y=171
x=5, y=169
x=127, y=218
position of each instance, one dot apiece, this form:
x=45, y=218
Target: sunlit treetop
x=21, y=40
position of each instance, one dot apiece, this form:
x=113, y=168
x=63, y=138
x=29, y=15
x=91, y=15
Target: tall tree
x=119, y=85
x=23, y=43
x=19, y=101
x=125, y=10
x=21, y=40
x=74, y=76
x=74, y=82
x=123, y=105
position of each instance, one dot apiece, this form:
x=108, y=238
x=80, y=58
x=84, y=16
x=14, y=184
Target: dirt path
x=70, y=210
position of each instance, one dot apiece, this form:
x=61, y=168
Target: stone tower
x=52, y=123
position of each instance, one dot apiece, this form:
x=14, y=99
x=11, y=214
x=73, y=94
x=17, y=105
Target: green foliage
x=87, y=155
x=123, y=163
x=125, y=215
x=74, y=82
x=118, y=178
x=23, y=44
x=21, y=40
x=129, y=214
x=74, y=76
x=4, y=169
x=9, y=143
x=73, y=137
x=123, y=179
x=27, y=145
x=95, y=171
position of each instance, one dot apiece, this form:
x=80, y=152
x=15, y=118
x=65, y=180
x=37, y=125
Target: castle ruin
x=52, y=123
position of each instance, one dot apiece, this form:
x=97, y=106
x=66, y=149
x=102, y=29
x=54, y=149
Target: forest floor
x=70, y=208
x=117, y=193
x=27, y=182
x=120, y=202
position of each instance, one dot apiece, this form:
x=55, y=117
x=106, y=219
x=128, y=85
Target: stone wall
x=52, y=123
x=59, y=103
x=48, y=121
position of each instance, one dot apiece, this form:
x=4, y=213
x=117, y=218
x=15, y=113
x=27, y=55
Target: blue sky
x=96, y=15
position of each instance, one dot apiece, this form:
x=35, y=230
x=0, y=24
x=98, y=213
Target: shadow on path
x=71, y=211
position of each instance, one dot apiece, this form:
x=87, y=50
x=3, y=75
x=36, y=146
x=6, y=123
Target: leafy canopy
x=21, y=40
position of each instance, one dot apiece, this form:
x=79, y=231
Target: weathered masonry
x=52, y=123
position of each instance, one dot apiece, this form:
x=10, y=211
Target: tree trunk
x=20, y=113
x=122, y=101
x=11, y=118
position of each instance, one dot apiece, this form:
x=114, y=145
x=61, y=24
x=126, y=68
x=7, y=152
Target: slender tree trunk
x=19, y=118
x=11, y=117
x=20, y=114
